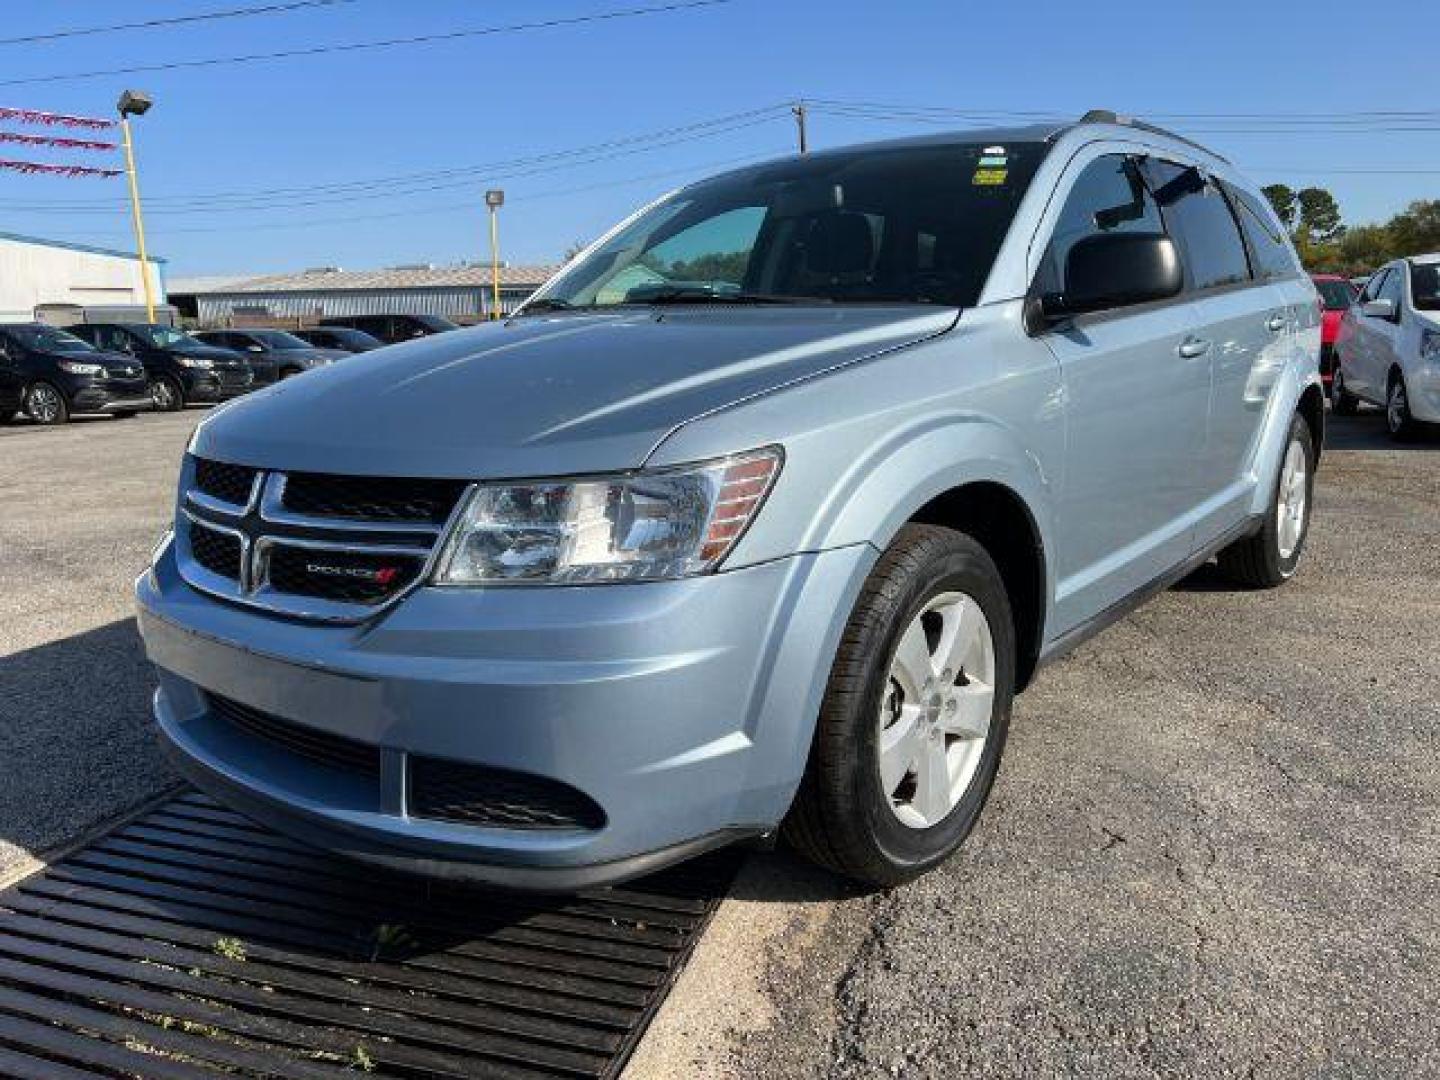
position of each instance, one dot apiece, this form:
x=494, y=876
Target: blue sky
x=468, y=106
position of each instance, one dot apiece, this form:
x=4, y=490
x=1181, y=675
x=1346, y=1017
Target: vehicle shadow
x=1366, y=431
x=75, y=741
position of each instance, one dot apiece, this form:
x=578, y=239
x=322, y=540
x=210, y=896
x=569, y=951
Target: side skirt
x=1118, y=610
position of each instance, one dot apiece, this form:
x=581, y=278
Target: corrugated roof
x=70, y=245
x=346, y=280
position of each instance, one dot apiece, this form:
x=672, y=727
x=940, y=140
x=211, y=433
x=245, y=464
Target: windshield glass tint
x=48, y=339
x=278, y=339
x=910, y=225
x=1425, y=286
x=164, y=337
x=1335, y=295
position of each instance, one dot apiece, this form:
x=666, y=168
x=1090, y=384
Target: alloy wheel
x=43, y=404
x=1293, y=500
x=1397, y=407
x=935, y=715
x=162, y=394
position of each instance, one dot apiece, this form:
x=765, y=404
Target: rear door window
x=1202, y=222
x=1270, y=250
x=1109, y=195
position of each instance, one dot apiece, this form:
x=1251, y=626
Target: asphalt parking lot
x=1214, y=848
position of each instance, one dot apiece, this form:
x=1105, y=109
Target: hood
x=307, y=355
x=546, y=395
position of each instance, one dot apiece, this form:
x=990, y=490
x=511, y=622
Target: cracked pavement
x=1213, y=850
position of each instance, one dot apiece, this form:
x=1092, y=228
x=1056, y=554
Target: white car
x=1388, y=349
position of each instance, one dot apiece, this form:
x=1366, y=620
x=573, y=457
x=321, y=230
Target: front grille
x=368, y=498
x=334, y=751
x=499, y=798
x=350, y=577
x=217, y=552
x=228, y=483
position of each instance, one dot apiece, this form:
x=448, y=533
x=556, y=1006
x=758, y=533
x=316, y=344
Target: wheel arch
x=1311, y=408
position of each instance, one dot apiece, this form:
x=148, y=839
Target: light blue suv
x=754, y=519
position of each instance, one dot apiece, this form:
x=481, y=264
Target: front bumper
x=110, y=395
x=684, y=709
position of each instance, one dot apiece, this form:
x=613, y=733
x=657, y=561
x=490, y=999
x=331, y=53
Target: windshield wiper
x=690, y=294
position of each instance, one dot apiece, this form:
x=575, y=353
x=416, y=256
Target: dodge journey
x=752, y=522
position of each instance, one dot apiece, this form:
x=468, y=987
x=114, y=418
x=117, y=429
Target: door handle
x=1192, y=347
x=1275, y=323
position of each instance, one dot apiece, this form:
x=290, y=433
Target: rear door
x=1239, y=328
x=1365, y=341
x=12, y=381
x=1135, y=407
x=1385, y=334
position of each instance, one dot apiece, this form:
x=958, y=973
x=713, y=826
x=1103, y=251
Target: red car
x=1336, y=296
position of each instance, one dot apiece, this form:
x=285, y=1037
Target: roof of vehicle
x=1425, y=260
x=1117, y=125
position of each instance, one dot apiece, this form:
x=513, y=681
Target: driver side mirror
x=1379, y=309
x=1112, y=270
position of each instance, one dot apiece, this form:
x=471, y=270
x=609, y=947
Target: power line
x=176, y=20
x=387, y=43
x=417, y=183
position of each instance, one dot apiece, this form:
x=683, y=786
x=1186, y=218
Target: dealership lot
x=1212, y=849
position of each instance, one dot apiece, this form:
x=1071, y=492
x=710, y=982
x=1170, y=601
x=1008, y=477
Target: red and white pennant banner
x=58, y=141
x=46, y=169
x=49, y=119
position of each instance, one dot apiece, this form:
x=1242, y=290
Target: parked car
x=560, y=600
x=1389, y=347
x=1337, y=296
x=394, y=328
x=273, y=354
x=181, y=369
x=50, y=374
x=339, y=337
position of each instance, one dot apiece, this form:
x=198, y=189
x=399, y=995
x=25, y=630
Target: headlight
x=75, y=367
x=644, y=526
x=195, y=362
x=1430, y=346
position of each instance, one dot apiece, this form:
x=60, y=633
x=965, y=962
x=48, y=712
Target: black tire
x=7, y=416
x=841, y=818
x=46, y=404
x=128, y=414
x=167, y=394
x=1342, y=401
x=1256, y=562
x=1398, y=420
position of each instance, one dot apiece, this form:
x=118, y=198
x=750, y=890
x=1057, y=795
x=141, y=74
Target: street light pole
x=136, y=103
x=494, y=199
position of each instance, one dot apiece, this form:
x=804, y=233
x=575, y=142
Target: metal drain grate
x=194, y=943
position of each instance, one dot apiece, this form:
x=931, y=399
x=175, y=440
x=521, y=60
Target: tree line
x=1327, y=245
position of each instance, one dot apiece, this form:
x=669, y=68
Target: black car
x=394, y=328
x=343, y=338
x=273, y=354
x=51, y=374
x=181, y=369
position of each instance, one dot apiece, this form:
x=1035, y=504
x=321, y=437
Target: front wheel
x=45, y=404
x=1341, y=400
x=915, y=713
x=167, y=394
x=1270, y=556
x=1398, y=420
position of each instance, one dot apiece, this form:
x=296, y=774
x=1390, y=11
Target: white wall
x=33, y=274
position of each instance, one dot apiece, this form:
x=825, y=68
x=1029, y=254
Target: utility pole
x=494, y=199
x=136, y=103
x=799, y=110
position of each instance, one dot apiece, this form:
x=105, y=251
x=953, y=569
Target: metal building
x=40, y=277
x=461, y=293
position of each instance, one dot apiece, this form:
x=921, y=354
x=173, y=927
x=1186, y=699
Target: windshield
x=47, y=339
x=917, y=224
x=1335, y=295
x=278, y=339
x=164, y=337
x=1425, y=286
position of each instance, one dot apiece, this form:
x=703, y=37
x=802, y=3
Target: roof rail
x=1108, y=116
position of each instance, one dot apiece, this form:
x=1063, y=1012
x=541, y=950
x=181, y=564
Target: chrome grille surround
x=263, y=524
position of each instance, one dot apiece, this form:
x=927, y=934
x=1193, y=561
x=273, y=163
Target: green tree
x=576, y=246
x=1416, y=229
x=1319, y=214
x=1282, y=199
